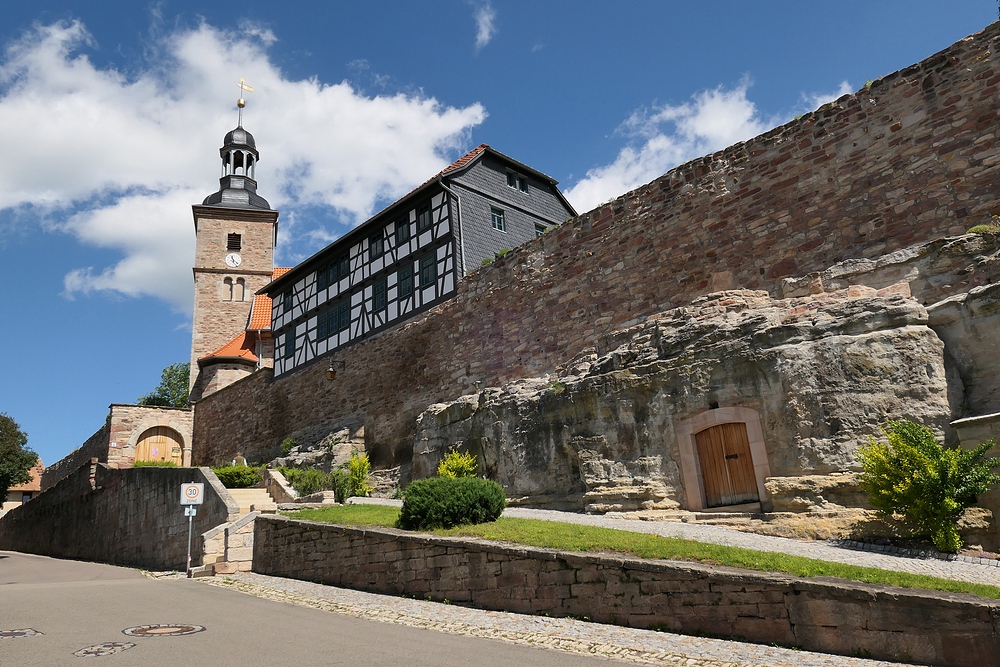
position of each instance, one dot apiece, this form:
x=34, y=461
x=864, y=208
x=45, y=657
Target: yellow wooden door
x=726, y=465
x=159, y=443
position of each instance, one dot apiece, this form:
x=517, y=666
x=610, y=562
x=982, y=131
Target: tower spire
x=242, y=83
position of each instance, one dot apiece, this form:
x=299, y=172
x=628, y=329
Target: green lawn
x=573, y=537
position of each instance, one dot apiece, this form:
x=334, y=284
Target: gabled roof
x=36, y=480
x=260, y=309
x=240, y=348
x=456, y=167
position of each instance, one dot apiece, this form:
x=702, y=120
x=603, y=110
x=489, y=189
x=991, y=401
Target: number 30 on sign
x=193, y=493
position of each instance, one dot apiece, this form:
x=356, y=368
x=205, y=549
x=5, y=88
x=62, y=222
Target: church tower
x=235, y=234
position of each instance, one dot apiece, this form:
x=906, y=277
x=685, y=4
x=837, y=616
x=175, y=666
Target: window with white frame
x=498, y=219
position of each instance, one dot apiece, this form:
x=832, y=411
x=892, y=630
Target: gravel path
x=959, y=571
x=643, y=647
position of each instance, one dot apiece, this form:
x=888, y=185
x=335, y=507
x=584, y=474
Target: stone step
x=246, y=498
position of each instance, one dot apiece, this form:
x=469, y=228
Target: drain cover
x=107, y=648
x=163, y=630
x=14, y=634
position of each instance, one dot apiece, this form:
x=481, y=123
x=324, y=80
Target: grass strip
x=574, y=537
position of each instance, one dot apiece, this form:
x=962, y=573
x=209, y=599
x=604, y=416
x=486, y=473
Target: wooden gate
x=726, y=465
x=159, y=443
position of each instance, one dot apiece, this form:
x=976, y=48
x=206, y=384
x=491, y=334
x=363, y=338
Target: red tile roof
x=240, y=347
x=260, y=310
x=36, y=480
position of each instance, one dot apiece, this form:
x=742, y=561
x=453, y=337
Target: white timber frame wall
x=415, y=270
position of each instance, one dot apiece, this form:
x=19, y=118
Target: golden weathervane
x=242, y=83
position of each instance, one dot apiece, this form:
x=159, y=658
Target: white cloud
x=117, y=159
x=486, y=27
x=813, y=101
x=670, y=135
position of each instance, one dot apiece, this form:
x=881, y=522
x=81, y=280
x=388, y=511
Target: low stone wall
x=126, y=517
x=820, y=614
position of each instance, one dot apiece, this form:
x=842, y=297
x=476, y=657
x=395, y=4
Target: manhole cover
x=107, y=648
x=14, y=634
x=161, y=630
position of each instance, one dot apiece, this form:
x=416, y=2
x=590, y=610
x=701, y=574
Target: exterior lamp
x=331, y=372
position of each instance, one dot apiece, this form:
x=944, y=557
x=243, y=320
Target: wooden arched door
x=726, y=465
x=159, y=443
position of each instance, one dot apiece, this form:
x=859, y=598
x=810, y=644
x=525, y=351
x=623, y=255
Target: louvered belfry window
x=234, y=242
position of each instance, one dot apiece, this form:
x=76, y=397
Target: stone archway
x=160, y=443
x=730, y=479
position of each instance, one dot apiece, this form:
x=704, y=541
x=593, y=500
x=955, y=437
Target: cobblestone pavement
x=959, y=571
x=644, y=647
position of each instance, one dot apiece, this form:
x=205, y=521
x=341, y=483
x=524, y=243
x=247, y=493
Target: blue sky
x=112, y=113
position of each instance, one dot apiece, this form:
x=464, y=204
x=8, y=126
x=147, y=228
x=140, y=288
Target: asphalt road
x=75, y=606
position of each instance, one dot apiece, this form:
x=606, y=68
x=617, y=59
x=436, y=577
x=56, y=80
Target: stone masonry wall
x=96, y=447
x=114, y=443
x=908, y=159
x=826, y=615
x=126, y=517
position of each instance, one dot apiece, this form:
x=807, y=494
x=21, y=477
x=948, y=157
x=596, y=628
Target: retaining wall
x=909, y=158
x=125, y=517
x=822, y=614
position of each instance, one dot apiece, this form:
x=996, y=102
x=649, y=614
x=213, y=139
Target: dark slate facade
x=410, y=256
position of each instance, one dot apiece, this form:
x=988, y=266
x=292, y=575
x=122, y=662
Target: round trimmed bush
x=445, y=502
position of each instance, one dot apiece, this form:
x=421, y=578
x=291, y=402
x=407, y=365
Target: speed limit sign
x=193, y=493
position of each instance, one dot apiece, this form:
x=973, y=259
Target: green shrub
x=307, y=480
x=458, y=464
x=502, y=252
x=287, y=445
x=154, y=464
x=445, y=502
x=238, y=477
x=984, y=229
x=914, y=479
x=486, y=261
x=340, y=483
x=359, y=469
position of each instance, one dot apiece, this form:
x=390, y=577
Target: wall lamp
x=331, y=372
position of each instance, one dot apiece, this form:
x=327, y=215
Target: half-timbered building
x=410, y=256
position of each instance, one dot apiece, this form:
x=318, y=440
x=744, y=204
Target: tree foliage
x=914, y=479
x=16, y=459
x=173, y=388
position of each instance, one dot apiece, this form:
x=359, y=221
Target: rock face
x=607, y=433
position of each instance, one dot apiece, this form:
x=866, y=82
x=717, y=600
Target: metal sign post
x=192, y=495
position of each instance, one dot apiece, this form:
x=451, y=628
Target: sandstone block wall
x=126, y=517
x=115, y=442
x=96, y=447
x=822, y=614
x=910, y=158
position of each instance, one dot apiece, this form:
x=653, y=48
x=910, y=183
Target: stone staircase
x=247, y=498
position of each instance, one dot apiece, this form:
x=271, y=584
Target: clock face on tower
x=233, y=260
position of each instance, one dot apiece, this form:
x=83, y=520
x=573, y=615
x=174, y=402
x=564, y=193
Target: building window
x=428, y=269
x=288, y=345
x=286, y=302
x=344, y=315
x=379, y=291
x=498, y=220
x=517, y=181
x=376, y=247
x=423, y=218
x=25, y=496
x=239, y=293
x=539, y=230
x=227, y=289
x=333, y=320
x=331, y=275
x=234, y=242
x=402, y=231
x=404, y=280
